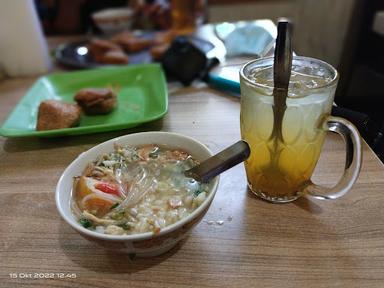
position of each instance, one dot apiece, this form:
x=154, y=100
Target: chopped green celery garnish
x=86, y=223
x=118, y=215
x=125, y=226
x=115, y=205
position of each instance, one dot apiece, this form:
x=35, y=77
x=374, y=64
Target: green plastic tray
x=142, y=97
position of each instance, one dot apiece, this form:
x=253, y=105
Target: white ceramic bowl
x=113, y=20
x=144, y=244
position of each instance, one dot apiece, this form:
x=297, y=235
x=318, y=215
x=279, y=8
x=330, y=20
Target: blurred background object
x=362, y=67
x=113, y=20
x=362, y=64
x=72, y=17
x=246, y=38
x=152, y=14
x=187, y=14
x=23, y=48
x=351, y=38
x=75, y=16
x=319, y=34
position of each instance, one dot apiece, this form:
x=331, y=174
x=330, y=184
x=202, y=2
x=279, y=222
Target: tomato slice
x=108, y=188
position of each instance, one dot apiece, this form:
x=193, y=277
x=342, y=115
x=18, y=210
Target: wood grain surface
x=308, y=243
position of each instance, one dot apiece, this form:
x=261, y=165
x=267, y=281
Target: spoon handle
x=220, y=162
x=281, y=75
x=283, y=55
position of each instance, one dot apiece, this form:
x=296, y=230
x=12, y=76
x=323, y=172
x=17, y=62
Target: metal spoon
x=220, y=162
x=281, y=74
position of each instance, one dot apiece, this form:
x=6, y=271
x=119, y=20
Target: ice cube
x=292, y=127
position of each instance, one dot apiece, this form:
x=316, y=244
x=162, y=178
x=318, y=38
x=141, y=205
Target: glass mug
x=280, y=170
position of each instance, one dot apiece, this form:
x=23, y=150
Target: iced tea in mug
x=279, y=170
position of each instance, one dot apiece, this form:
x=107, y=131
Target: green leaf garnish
x=197, y=192
x=118, y=215
x=115, y=205
x=86, y=223
x=125, y=226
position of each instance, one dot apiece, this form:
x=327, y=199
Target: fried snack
x=54, y=114
x=114, y=57
x=165, y=37
x=99, y=47
x=158, y=51
x=96, y=100
x=122, y=36
x=132, y=44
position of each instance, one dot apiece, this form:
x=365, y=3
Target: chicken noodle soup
x=136, y=190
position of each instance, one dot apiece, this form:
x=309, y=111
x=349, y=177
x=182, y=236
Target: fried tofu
x=99, y=47
x=96, y=100
x=133, y=44
x=54, y=114
x=158, y=51
x=114, y=57
x=164, y=37
x=122, y=36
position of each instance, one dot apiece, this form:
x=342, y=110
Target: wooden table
x=308, y=243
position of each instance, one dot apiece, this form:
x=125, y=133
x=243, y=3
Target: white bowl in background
x=144, y=244
x=113, y=20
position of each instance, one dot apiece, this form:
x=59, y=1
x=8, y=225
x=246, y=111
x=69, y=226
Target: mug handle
x=352, y=140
